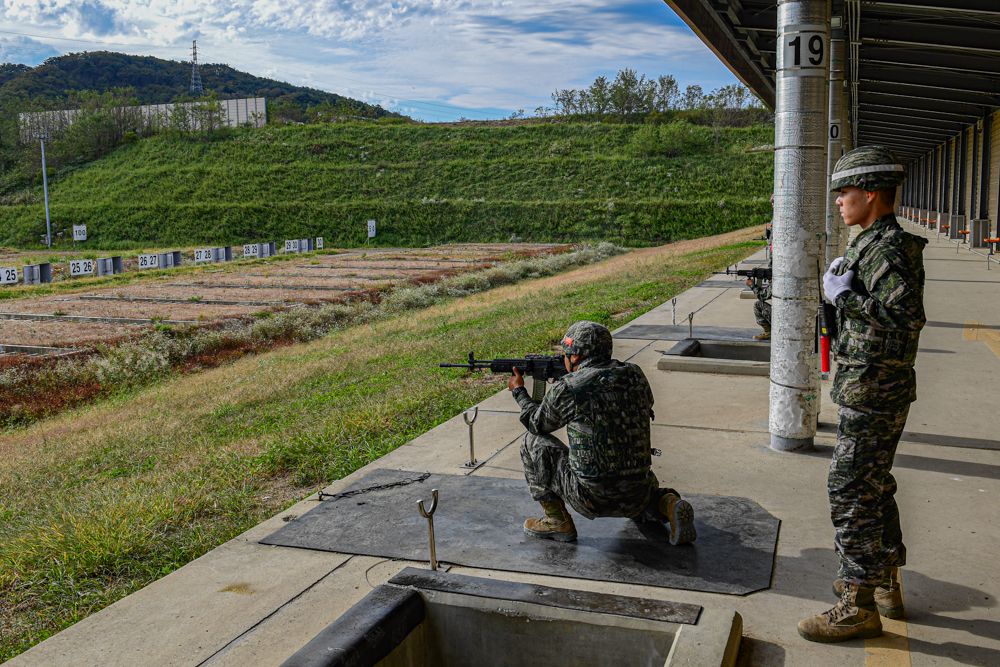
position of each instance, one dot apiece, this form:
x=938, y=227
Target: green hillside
x=423, y=184
x=153, y=80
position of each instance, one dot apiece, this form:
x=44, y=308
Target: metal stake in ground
x=673, y=311
x=472, y=464
x=429, y=515
x=42, y=136
x=690, y=325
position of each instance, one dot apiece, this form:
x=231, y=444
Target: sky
x=436, y=60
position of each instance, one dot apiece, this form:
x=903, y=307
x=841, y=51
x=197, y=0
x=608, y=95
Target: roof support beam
x=931, y=35
x=710, y=28
x=914, y=120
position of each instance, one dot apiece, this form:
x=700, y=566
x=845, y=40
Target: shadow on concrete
x=928, y=350
x=955, y=325
x=926, y=439
x=964, y=468
x=960, y=653
x=759, y=653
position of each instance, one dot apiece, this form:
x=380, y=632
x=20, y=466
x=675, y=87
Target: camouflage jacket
x=763, y=292
x=880, y=318
x=606, y=407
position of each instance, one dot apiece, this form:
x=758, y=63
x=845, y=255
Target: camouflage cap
x=870, y=168
x=588, y=339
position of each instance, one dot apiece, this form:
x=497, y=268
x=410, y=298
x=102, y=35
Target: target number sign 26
x=149, y=261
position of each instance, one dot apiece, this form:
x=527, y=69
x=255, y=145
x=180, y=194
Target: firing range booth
x=921, y=77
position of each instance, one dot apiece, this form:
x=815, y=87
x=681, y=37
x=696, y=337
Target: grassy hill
x=632, y=184
x=154, y=80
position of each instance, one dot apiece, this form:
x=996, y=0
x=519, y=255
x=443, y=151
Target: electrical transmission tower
x=196, y=86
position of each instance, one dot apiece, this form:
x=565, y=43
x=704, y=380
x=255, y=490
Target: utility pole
x=42, y=136
x=196, y=86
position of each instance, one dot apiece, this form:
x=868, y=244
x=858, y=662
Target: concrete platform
x=245, y=603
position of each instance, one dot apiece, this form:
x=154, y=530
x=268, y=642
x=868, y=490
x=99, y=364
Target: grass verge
x=149, y=481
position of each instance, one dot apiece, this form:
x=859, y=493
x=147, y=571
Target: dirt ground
x=243, y=287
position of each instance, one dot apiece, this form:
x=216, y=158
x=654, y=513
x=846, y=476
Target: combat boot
x=680, y=516
x=764, y=335
x=854, y=616
x=888, y=594
x=557, y=524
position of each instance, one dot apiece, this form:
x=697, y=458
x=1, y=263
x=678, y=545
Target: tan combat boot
x=557, y=524
x=765, y=335
x=854, y=616
x=888, y=594
x=680, y=515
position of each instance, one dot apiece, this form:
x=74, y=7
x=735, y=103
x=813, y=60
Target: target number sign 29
x=8, y=275
x=251, y=250
x=80, y=267
x=805, y=49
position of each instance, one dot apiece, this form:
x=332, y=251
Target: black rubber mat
x=478, y=523
x=680, y=332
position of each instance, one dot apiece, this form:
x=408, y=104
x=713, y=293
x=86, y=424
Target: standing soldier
x=878, y=288
x=606, y=406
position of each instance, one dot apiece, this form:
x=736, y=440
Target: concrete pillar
x=800, y=186
x=834, y=223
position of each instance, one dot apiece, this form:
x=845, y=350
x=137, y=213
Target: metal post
x=690, y=325
x=473, y=463
x=673, y=311
x=42, y=136
x=838, y=48
x=429, y=515
x=800, y=186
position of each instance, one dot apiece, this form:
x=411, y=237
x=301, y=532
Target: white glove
x=834, y=286
x=835, y=264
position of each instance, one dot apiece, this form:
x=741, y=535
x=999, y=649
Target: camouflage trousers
x=550, y=478
x=762, y=311
x=862, y=489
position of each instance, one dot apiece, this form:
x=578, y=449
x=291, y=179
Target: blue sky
x=432, y=59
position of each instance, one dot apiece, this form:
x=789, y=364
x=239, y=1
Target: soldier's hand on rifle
x=515, y=380
x=749, y=282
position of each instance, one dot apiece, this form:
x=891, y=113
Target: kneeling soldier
x=606, y=406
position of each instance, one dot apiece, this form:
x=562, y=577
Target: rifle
x=759, y=274
x=540, y=367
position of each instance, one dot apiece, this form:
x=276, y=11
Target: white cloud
x=500, y=54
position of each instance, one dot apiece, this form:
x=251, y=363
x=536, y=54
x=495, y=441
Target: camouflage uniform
x=762, y=306
x=606, y=406
x=880, y=319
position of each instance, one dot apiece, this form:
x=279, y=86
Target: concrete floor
x=244, y=603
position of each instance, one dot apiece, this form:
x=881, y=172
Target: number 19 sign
x=803, y=50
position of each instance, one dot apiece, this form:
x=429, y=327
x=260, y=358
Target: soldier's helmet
x=870, y=168
x=588, y=339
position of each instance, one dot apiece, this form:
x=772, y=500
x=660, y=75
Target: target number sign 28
x=251, y=250
x=80, y=267
x=8, y=275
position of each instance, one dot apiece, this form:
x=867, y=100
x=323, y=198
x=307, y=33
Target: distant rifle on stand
x=758, y=274
x=539, y=367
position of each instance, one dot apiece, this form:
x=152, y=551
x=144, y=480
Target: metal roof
x=922, y=70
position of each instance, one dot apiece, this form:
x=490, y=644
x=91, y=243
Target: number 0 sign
x=803, y=50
